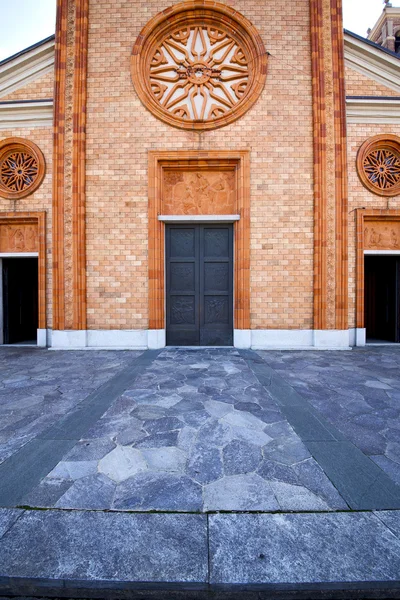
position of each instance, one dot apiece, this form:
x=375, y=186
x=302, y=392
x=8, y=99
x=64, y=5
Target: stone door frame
x=364, y=216
x=181, y=160
x=38, y=219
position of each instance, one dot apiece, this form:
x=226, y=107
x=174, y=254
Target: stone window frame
x=377, y=142
x=181, y=14
x=17, y=144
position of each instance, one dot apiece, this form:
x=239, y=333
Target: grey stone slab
x=159, y=491
x=296, y=497
x=240, y=493
x=391, y=518
x=159, y=440
x=307, y=425
x=93, y=492
x=362, y=484
x=165, y=459
x=205, y=463
x=22, y=471
x=122, y=463
x=274, y=471
x=8, y=516
x=113, y=547
x=241, y=457
x=301, y=548
x=90, y=449
x=47, y=493
x=310, y=474
x=286, y=451
x=391, y=468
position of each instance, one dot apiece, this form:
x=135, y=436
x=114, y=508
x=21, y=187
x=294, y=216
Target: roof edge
x=26, y=50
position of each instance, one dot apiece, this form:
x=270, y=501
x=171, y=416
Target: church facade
x=201, y=174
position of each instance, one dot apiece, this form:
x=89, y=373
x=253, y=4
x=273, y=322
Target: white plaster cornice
x=26, y=67
x=373, y=110
x=372, y=62
x=35, y=113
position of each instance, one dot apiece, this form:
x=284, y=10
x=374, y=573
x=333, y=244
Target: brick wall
x=361, y=85
x=277, y=131
x=40, y=89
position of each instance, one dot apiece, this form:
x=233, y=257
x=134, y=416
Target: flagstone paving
x=196, y=432
x=358, y=392
x=37, y=387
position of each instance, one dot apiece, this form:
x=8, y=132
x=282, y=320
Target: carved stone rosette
x=200, y=66
x=22, y=168
x=378, y=165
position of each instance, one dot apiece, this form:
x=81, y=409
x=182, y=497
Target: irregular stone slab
x=205, y=464
x=121, y=463
x=379, y=385
x=310, y=475
x=146, y=412
x=163, y=424
x=238, y=418
x=296, y=497
x=73, y=469
x=241, y=457
x=8, y=517
x=95, y=491
x=165, y=459
x=159, y=440
x=302, y=548
x=158, y=491
x=93, y=546
x=217, y=409
x=186, y=438
x=239, y=492
x=259, y=438
x=286, y=451
x=273, y=471
x=214, y=433
x=88, y=450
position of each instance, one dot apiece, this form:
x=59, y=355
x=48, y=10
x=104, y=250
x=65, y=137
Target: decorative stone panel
x=199, y=65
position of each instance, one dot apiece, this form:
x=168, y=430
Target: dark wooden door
x=20, y=299
x=199, y=285
x=382, y=298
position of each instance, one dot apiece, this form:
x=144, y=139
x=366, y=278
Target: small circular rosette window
x=378, y=165
x=199, y=67
x=22, y=168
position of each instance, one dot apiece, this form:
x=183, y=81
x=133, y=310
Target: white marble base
x=242, y=338
x=258, y=339
x=42, y=338
x=332, y=338
x=281, y=339
x=156, y=339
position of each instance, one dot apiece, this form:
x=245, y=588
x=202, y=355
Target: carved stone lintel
x=19, y=238
x=199, y=193
x=382, y=235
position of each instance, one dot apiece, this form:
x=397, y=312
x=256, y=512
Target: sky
x=25, y=22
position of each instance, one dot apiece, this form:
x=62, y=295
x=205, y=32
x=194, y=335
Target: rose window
x=21, y=168
x=201, y=68
x=378, y=164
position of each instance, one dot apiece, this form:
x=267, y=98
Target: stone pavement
x=208, y=470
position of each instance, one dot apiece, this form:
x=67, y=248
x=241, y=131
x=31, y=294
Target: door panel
x=20, y=299
x=382, y=298
x=199, y=285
